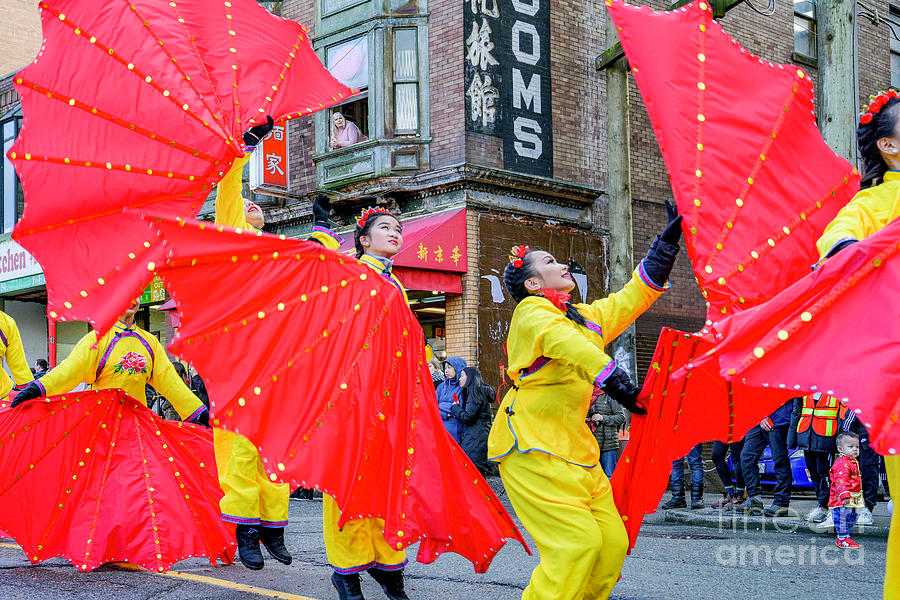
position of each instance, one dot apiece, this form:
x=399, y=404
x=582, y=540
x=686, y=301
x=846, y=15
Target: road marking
x=240, y=587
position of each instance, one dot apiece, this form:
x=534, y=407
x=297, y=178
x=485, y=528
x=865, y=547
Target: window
x=12, y=199
x=348, y=61
x=895, y=52
x=406, y=81
x=805, y=29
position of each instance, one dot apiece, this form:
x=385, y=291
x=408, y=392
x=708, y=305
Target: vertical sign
x=269, y=165
x=507, y=79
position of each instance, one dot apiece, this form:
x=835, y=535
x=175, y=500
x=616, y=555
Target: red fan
x=799, y=340
x=142, y=103
x=330, y=384
x=95, y=477
x=681, y=412
x=750, y=172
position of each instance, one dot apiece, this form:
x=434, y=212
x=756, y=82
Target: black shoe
x=347, y=586
x=391, y=582
x=776, y=510
x=752, y=505
x=273, y=539
x=302, y=494
x=675, y=502
x=248, y=546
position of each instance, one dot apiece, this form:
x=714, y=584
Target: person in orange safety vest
x=815, y=423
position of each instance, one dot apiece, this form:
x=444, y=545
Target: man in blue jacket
x=773, y=432
x=449, y=391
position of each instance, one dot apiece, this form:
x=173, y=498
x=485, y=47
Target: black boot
x=347, y=586
x=697, y=495
x=391, y=582
x=273, y=539
x=248, y=546
x=677, y=499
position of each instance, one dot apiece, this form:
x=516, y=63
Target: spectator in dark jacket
x=605, y=420
x=41, y=366
x=448, y=391
x=773, y=432
x=199, y=387
x=474, y=413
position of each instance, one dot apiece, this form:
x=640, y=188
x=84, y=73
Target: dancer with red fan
x=360, y=545
x=549, y=460
x=873, y=208
x=15, y=357
x=127, y=357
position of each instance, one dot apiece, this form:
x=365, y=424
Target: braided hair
x=881, y=125
x=514, y=278
x=368, y=221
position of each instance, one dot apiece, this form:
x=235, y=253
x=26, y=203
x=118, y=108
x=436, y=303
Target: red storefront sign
x=270, y=160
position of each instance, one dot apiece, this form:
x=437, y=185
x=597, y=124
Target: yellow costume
x=870, y=211
x=360, y=545
x=15, y=356
x=127, y=357
x=547, y=454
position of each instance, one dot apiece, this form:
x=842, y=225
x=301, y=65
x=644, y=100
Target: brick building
x=462, y=153
x=494, y=107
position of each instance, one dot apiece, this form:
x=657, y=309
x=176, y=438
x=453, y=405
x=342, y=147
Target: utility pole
x=618, y=143
x=837, y=85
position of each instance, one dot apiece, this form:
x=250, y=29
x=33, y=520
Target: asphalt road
x=672, y=561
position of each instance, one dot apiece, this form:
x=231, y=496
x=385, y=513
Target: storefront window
x=430, y=309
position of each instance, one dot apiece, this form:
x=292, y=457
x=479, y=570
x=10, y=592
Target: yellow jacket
x=230, y=207
x=15, y=356
x=869, y=211
x=126, y=358
x=555, y=364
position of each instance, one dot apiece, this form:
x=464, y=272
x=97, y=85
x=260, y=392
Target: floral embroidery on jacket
x=132, y=363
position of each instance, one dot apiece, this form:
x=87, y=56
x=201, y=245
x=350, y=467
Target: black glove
x=619, y=387
x=31, y=391
x=258, y=132
x=321, y=208
x=840, y=246
x=201, y=419
x=660, y=259
x=672, y=233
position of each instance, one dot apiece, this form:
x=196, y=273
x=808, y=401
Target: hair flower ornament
x=369, y=212
x=517, y=255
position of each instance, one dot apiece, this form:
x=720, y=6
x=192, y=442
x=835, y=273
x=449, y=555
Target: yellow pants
x=570, y=513
x=250, y=497
x=360, y=545
x=892, y=568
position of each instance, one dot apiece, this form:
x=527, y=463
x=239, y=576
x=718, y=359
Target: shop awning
x=434, y=252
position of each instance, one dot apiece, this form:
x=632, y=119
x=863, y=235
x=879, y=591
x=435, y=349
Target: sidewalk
x=725, y=520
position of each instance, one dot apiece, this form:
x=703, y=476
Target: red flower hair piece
x=876, y=103
x=364, y=217
x=517, y=255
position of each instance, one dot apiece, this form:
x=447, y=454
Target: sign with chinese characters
x=269, y=164
x=435, y=242
x=507, y=79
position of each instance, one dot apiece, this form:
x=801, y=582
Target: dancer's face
x=385, y=237
x=254, y=214
x=548, y=274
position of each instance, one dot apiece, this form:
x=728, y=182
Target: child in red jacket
x=846, y=488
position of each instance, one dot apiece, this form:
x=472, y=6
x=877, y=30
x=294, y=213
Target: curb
x=726, y=521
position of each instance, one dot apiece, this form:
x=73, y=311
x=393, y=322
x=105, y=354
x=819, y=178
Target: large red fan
x=142, y=103
x=836, y=331
x=95, y=477
x=681, y=412
x=330, y=383
x=750, y=172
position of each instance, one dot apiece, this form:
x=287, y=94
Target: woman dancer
x=360, y=546
x=257, y=506
x=549, y=460
x=876, y=205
